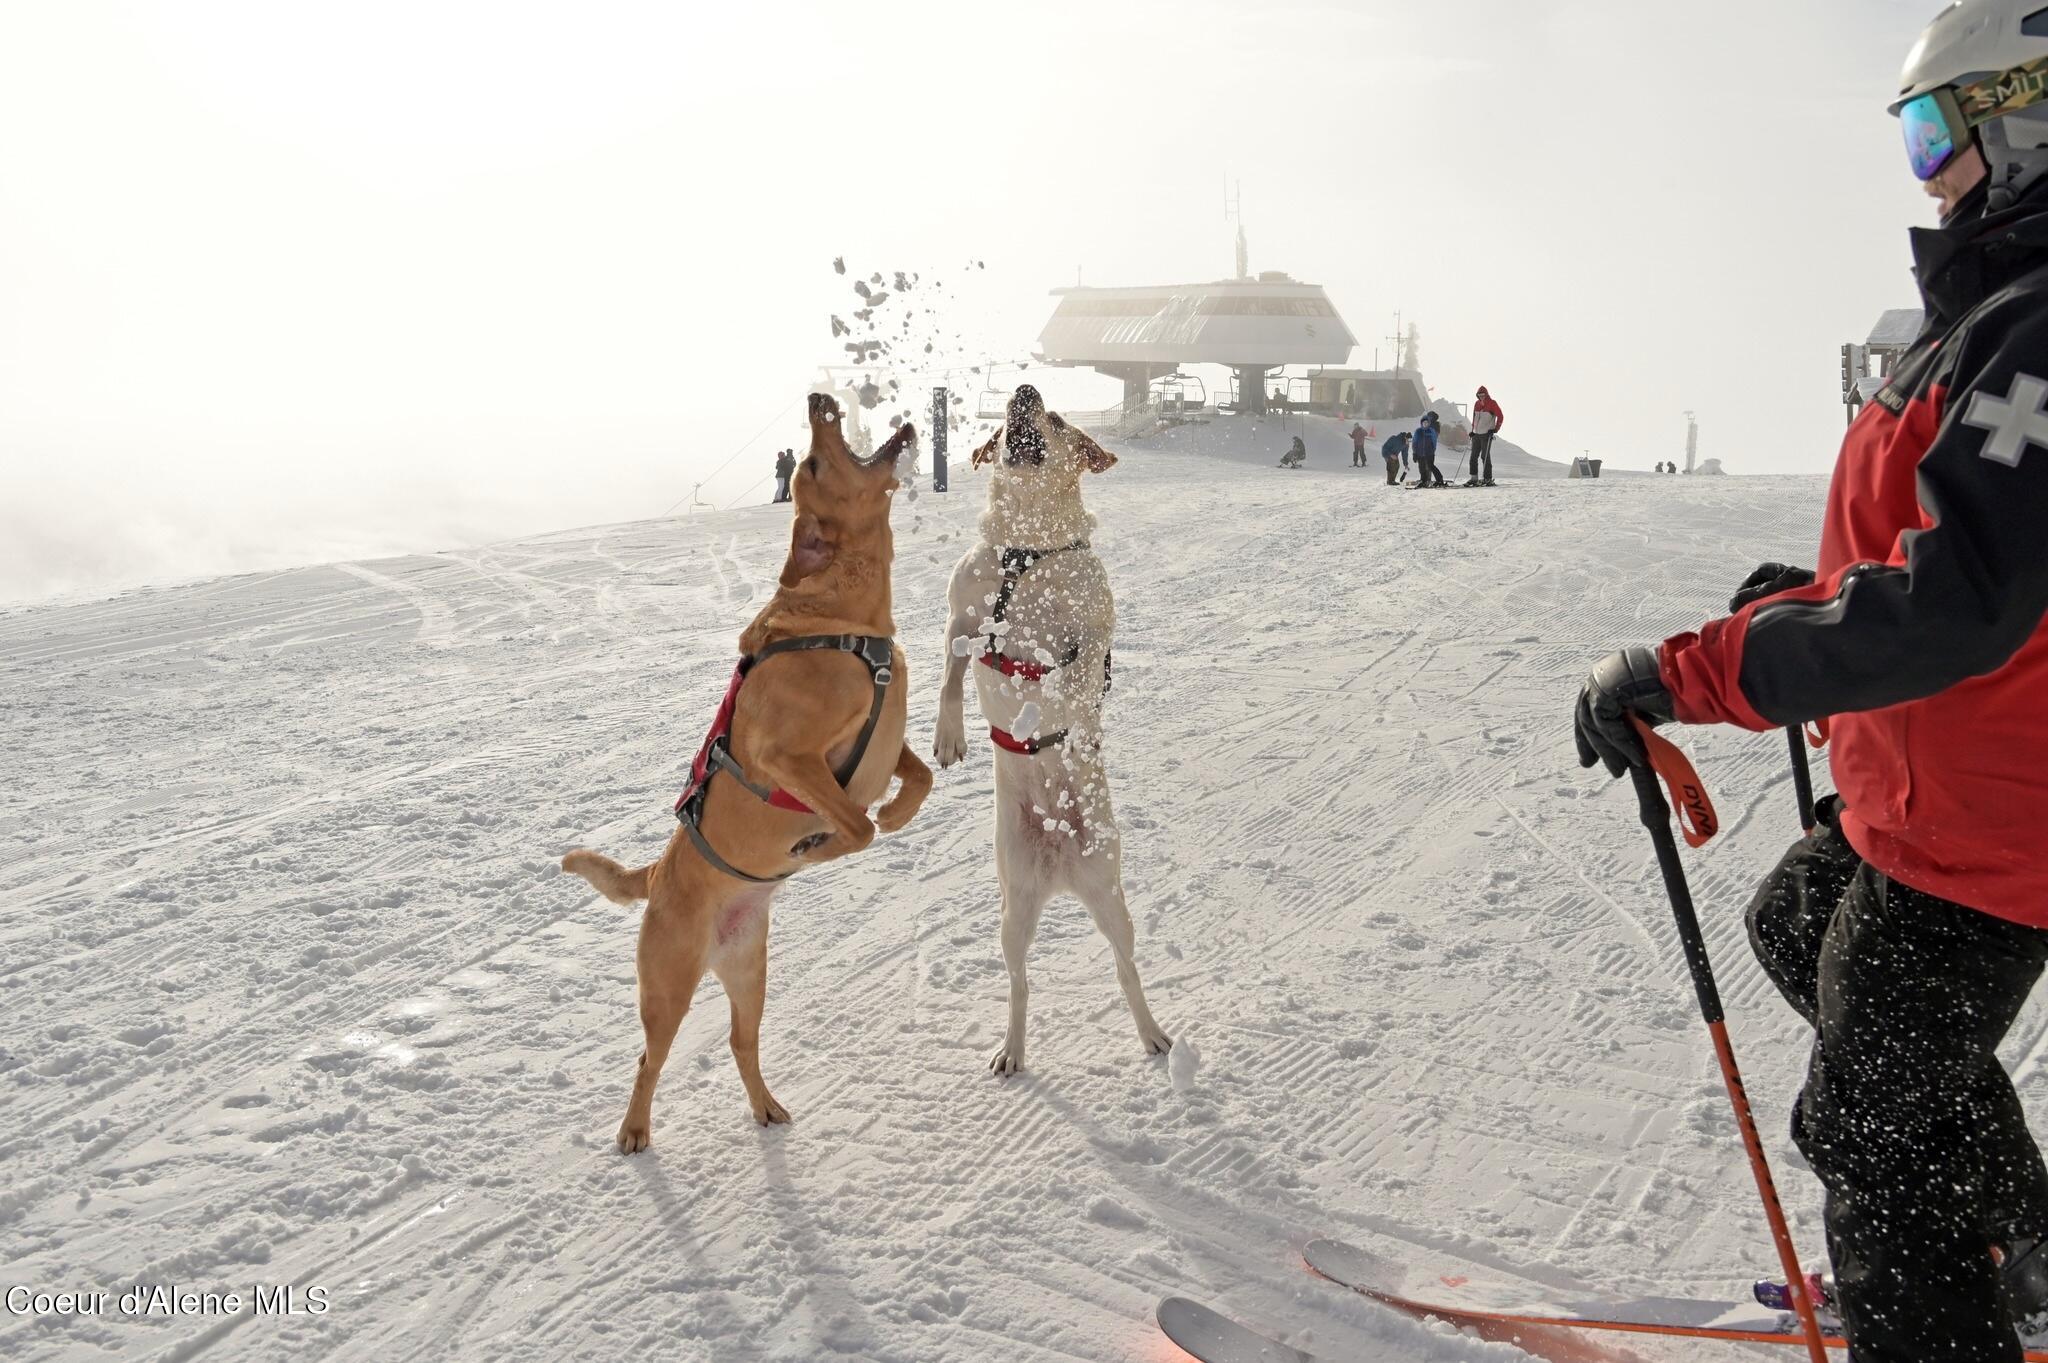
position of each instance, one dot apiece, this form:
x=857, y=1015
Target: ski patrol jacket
x=1486, y=416
x=1922, y=639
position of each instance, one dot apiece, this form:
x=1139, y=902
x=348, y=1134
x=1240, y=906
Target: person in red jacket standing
x=1911, y=929
x=1486, y=420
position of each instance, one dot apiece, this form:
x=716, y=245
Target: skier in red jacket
x=1486, y=420
x=1911, y=929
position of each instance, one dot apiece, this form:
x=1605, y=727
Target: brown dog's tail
x=610, y=879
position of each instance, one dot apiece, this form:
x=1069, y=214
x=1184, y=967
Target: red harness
x=1012, y=667
x=716, y=753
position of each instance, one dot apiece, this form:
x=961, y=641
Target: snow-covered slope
x=293, y=991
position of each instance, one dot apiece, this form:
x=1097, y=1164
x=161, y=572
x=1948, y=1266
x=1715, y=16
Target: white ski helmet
x=1981, y=67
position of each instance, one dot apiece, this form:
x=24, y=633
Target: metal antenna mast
x=1233, y=210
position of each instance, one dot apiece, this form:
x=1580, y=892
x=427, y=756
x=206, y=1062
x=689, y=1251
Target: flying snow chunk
x=1027, y=719
x=1181, y=1063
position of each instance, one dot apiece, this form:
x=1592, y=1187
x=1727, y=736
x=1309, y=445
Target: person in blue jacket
x=1396, y=452
x=1426, y=471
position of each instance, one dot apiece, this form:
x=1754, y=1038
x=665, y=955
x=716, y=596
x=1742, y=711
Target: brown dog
x=810, y=699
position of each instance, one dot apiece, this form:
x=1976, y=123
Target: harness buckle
x=884, y=675
x=878, y=653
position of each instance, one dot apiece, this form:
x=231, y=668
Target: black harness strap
x=877, y=652
x=1016, y=563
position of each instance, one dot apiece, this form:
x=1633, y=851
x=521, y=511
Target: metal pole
x=1656, y=817
x=939, y=415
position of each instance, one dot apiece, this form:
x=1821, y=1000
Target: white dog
x=1031, y=613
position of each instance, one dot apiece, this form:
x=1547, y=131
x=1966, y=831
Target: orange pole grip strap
x=1695, y=809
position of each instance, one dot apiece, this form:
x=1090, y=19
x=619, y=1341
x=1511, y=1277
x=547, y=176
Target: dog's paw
x=1154, y=1038
x=1009, y=1060
x=770, y=1112
x=635, y=1136
x=949, y=745
x=898, y=812
x=839, y=845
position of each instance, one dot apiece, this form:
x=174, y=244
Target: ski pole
x=1700, y=825
x=1802, y=776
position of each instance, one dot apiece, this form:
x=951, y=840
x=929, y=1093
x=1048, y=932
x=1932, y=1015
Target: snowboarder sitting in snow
x=1357, y=446
x=1426, y=432
x=1396, y=454
x=1910, y=929
x=1296, y=455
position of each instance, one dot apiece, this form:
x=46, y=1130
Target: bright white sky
x=281, y=283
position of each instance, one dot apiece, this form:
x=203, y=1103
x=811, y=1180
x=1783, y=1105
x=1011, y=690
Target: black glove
x=1768, y=580
x=1623, y=684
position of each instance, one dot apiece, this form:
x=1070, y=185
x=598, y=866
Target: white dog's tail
x=610, y=879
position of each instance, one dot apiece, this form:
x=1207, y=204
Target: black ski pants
x=1482, y=448
x=1426, y=471
x=1358, y=456
x=1907, y=1117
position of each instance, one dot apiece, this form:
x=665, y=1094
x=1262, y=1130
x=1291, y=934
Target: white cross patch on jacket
x=2015, y=421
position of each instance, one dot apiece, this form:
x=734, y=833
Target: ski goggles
x=1935, y=131
x=1940, y=123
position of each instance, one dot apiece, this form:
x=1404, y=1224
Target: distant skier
x=785, y=469
x=1296, y=455
x=1486, y=420
x=1396, y=453
x=1910, y=929
x=1357, y=446
x=1425, y=441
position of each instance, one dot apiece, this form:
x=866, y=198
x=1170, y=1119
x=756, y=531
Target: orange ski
x=1579, y=1330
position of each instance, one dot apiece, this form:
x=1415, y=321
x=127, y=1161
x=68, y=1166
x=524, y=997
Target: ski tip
x=1350, y=1265
x=1207, y=1335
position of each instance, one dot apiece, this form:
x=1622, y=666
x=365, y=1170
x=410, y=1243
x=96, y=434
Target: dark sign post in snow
x=939, y=439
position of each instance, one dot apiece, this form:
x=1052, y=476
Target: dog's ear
x=810, y=550
x=985, y=453
x=1097, y=458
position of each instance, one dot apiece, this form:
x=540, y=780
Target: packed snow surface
x=291, y=989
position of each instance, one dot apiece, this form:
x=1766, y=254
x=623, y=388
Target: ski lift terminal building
x=1250, y=326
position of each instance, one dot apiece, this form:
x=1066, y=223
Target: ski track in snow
x=294, y=992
